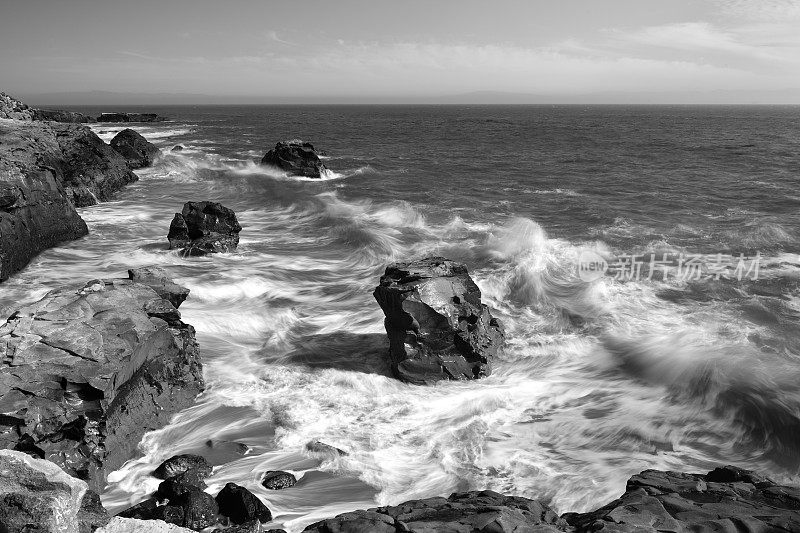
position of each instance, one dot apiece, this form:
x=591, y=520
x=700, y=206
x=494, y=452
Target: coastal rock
x=158, y=280
x=725, y=499
x=467, y=512
x=136, y=150
x=177, y=148
x=241, y=506
x=34, y=211
x=204, y=228
x=119, y=524
x=437, y=326
x=11, y=108
x=276, y=480
x=130, y=117
x=58, y=115
x=37, y=495
x=181, y=464
x=298, y=158
x=84, y=374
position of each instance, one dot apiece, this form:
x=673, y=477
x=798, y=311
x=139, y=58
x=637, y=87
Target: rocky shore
x=86, y=371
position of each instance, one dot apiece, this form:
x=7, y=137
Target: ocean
x=601, y=378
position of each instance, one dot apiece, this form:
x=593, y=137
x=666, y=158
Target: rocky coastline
x=85, y=373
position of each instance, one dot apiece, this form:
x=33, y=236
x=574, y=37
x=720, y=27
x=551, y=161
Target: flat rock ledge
x=438, y=327
x=85, y=373
x=727, y=500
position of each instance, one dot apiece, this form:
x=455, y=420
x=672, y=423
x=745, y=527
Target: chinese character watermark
x=668, y=265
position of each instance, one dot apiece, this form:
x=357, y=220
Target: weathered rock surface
x=277, y=480
x=130, y=117
x=158, y=280
x=59, y=115
x=136, y=150
x=241, y=506
x=204, y=228
x=12, y=108
x=34, y=212
x=467, y=512
x=37, y=495
x=181, y=464
x=437, y=326
x=298, y=158
x=727, y=499
x=119, y=524
x=84, y=374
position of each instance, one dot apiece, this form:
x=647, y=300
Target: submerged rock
x=298, y=158
x=136, y=150
x=37, y=495
x=437, y=326
x=84, y=374
x=241, y=506
x=276, y=480
x=204, y=228
x=477, y=511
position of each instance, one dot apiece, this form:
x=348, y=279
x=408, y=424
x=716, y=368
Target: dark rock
x=191, y=508
x=180, y=464
x=316, y=446
x=726, y=499
x=145, y=510
x=34, y=211
x=298, y=158
x=158, y=280
x=437, y=326
x=177, y=148
x=37, y=495
x=130, y=117
x=136, y=150
x=97, y=373
x=204, y=228
x=276, y=480
x=57, y=115
x=174, y=486
x=240, y=505
x=477, y=511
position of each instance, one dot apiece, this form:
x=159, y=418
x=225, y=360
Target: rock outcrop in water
x=136, y=150
x=298, y=158
x=726, y=499
x=59, y=115
x=12, y=108
x=34, y=211
x=204, y=228
x=130, y=117
x=36, y=495
x=437, y=326
x=84, y=374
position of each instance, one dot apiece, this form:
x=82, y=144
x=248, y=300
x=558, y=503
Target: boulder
x=130, y=117
x=725, y=499
x=34, y=211
x=84, y=374
x=241, y=506
x=437, y=326
x=467, y=512
x=177, y=148
x=37, y=495
x=204, y=228
x=136, y=150
x=11, y=108
x=276, y=480
x=157, y=279
x=297, y=158
x=181, y=464
x=58, y=115
x=191, y=508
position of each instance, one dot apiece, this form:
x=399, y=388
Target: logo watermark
x=668, y=266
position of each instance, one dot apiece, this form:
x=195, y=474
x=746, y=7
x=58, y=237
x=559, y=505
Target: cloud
x=761, y=10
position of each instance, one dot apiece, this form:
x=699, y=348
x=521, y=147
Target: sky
x=410, y=50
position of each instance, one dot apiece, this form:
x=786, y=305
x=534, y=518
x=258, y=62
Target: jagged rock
x=725, y=499
x=276, y=480
x=204, y=228
x=34, y=212
x=58, y=115
x=83, y=375
x=466, y=512
x=37, y=495
x=174, y=486
x=437, y=326
x=136, y=150
x=240, y=505
x=11, y=108
x=130, y=117
x=180, y=464
x=119, y=524
x=191, y=508
x=158, y=280
x=296, y=157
